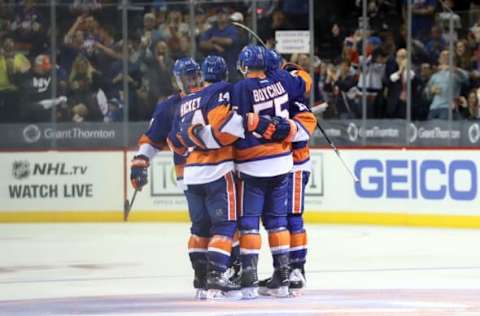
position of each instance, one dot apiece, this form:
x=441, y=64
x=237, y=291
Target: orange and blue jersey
x=278, y=94
x=301, y=83
x=155, y=138
x=209, y=107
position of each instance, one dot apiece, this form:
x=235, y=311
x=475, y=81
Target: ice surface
x=143, y=269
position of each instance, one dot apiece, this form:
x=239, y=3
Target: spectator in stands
x=440, y=90
x=297, y=12
x=27, y=28
x=463, y=55
x=423, y=14
x=468, y=107
x=37, y=99
x=421, y=104
x=82, y=83
x=223, y=39
x=372, y=82
x=149, y=35
x=13, y=67
x=397, y=87
x=278, y=22
x=156, y=70
x=338, y=86
x=176, y=33
x=436, y=44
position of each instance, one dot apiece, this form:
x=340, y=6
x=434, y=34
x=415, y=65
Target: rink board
x=396, y=187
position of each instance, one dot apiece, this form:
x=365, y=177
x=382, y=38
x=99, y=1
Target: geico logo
x=412, y=179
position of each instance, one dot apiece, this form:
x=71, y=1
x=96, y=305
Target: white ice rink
x=143, y=269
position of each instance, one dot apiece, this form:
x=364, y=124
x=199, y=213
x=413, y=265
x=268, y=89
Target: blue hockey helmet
x=187, y=74
x=252, y=57
x=214, y=69
x=273, y=60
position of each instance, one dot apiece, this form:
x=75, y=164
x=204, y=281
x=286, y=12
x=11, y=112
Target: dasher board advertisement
x=61, y=181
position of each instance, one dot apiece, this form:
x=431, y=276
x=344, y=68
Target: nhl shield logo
x=21, y=169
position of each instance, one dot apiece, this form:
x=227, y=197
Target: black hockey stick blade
x=127, y=206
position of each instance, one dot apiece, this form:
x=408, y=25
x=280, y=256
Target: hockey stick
x=127, y=206
x=332, y=145
x=249, y=30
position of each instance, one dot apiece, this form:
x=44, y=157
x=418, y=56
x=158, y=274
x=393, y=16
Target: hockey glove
x=260, y=124
x=139, y=171
x=285, y=129
x=190, y=136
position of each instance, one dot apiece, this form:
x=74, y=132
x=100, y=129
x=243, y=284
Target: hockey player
x=264, y=164
x=155, y=139
x=301, y=82
x=209, y=173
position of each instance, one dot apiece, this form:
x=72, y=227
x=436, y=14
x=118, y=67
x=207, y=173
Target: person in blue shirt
x=222, y=39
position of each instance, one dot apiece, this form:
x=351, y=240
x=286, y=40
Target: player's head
x=251, y=58
x=273, y=60
x=187, y=74
x=214, y=69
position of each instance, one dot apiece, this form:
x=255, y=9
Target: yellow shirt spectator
x=20, y=65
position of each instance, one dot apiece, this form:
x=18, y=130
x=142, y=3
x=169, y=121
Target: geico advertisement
x=162, y=193
x=61, y=181
x=427, y=181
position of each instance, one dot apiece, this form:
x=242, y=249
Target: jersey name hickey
x=190, y=106
x=268, y=92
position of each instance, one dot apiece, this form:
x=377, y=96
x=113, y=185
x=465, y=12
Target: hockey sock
x=235, y=256
x=218, y=254
x=249, y=249
x=298, y=249
x=279, y=241
x=197, y=250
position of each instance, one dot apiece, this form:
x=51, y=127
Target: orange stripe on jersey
x=279, y=238
x=197, y=242
x=231, y=197
x=144, y=139
x=298, y=239
x=215, y=156
x=216, y=118
x=220, y=243
x=250, y=241
x=301, y=154
x=260, y=151
x=297, y=192
x=307, y=79
x=308, y=121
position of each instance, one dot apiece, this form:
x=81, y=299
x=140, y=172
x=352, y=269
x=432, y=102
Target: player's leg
x=251, y=200
x=298, y=236
x=221, y=203
x=235, y=265
x=199, y=239
x=275, y=222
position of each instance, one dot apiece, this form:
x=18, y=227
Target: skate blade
x=218, y=295
x=263, y=291
x=250, y=293
x=201, y=294
x=279, y=292
x=296, y=292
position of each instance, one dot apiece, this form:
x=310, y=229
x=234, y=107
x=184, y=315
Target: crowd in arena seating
x=433, y=90
x=91, y=81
